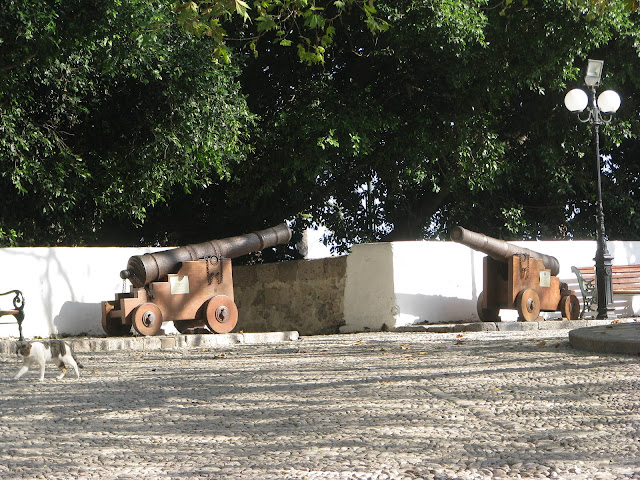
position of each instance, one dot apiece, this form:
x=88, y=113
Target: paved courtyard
x=368, y=406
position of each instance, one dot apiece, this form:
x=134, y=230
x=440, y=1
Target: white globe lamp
x=609, y=101
x=576, y=100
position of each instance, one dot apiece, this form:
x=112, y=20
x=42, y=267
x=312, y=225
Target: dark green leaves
x=308, y=24
x=116, y=110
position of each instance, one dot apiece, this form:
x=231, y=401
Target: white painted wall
x=395, y=284
x=436, y=280
x=439, y=282
x=369, y=291
x=62, y=287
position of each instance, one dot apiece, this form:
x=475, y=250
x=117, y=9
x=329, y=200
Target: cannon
x=518, y=278
x=191, y=286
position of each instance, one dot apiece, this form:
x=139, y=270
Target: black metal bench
x=17, y=311
x=625, y=280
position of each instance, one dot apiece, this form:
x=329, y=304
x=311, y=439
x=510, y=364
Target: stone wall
x=376, y=286
x=302, y=295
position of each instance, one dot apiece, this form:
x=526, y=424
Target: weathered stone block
x=302, y=295
x=245, y=275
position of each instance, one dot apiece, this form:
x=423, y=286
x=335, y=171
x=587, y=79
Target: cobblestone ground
x=369, y=406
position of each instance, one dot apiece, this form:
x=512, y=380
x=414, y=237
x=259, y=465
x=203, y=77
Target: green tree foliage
x=307, y=24
x=107, y=109
x=126, y=119
x=454, y=115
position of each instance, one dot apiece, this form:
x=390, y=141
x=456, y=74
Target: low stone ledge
x=419, y=328
x=517, y=326
x=165, y=342
x=476, y=327
x=509, y=326
x=561, y=324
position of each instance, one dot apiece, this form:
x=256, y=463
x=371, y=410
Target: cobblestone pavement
x=368, y=406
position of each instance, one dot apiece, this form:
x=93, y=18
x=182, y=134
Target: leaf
x=266, y=23
x=315, y=21
x=241, y=9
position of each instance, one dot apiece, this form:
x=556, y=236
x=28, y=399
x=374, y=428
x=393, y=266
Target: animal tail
x=73, y=354
x=78, y=362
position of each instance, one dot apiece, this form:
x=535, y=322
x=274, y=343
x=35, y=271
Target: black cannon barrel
x=499, y=249
x=144, y=269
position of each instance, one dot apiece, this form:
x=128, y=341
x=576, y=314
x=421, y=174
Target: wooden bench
x=17, y=311
x=625, y=280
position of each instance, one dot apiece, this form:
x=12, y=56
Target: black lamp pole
x=599, y=112
x=603, y=258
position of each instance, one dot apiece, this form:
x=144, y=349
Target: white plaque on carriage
x=545, y=278
x=179, y=285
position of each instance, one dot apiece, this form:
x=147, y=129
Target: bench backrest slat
x=624, y=278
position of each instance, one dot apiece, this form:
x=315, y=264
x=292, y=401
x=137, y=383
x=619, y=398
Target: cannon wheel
x=528, y=305
x=569, y=307
x=221, y=314
x=115, y=328
x=147, y=319
x=487, y=314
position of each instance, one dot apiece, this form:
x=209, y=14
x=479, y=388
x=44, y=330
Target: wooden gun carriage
x=518, y=278
x=191, y=286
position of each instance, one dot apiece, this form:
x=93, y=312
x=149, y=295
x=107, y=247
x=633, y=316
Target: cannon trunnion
x=518, y=278
x=190, y=286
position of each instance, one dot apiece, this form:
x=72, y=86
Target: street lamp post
x=600, y=112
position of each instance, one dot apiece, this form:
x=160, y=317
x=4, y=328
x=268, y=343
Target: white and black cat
x=39, y=353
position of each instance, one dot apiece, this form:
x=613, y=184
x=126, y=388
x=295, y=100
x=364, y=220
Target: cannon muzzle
x=499, y=249
x=144, y=269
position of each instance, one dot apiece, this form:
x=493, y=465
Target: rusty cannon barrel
x=499, y=249
x=144, y=269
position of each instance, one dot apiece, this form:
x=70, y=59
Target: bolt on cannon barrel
x=144, y=269
x=499, y=249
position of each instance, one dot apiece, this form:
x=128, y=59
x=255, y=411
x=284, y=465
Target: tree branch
x=5, y=68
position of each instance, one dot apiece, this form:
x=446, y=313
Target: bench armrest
x=588, y=291
x=18, y=308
